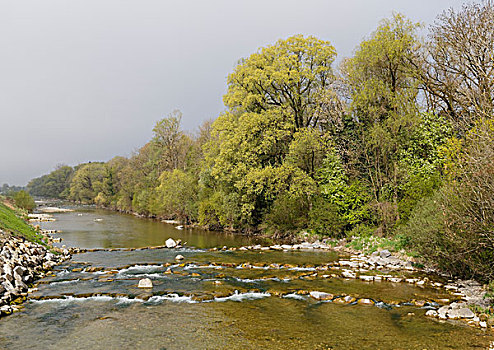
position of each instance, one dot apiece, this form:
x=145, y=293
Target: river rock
x=349, y=299
x=145, y=283
x=465, y=313
x=170, y=243
x=443, y=311
x=179, y=257
x=348, y=274
x=384, y=253
x=321, y=295
x=431, y=313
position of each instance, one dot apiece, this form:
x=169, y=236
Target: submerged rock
x=365, y=301
x=321, y=295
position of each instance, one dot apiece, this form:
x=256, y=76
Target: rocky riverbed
x=380, y=266
x=21, y=263
x=466, y=295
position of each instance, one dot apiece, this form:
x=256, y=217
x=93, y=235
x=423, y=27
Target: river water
x=213, y=299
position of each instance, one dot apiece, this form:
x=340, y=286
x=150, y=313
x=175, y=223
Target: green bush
x=23, y=200
x=455, y=227
x=288, y=214
x=325, y=218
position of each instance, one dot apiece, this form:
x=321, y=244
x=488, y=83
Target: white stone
x=442, y=312
x=145, y=283
x=431, y=313
x=348, y=274
x=367, y=278
x=395, y=279
x=321, y=295
x=170, y=243
x=179, y=257
x=384, y=253
x=466, y=313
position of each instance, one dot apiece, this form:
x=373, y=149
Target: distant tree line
x=18, y=195
x=397, y=140
x=6, y=189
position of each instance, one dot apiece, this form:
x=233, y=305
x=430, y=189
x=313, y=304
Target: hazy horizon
x=87, y=80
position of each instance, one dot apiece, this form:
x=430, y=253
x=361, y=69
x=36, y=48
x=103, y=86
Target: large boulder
x=170, y=243
x=145, y=283
x=465, y=313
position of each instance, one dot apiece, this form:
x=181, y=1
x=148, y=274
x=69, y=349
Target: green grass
x=369, y=244
x=13, y=221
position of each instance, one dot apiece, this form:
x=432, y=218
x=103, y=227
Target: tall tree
x=287, y=76
x=171, y=142
x=457, y=63
x=272, y=98
x=383, y=91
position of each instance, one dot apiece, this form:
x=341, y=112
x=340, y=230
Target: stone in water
x=145, y=283
x=170, y=243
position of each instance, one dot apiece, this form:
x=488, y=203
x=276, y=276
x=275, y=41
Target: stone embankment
x=21, y=263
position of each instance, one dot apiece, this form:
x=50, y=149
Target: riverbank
x=25, y=256
x=22, y=263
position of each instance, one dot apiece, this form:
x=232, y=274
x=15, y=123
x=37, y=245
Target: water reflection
x=99, y=228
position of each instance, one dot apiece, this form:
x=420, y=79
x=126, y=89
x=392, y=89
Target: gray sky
x=85, y=80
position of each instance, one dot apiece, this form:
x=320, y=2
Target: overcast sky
x=86, y=80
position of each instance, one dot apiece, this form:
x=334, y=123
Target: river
x=213, y=299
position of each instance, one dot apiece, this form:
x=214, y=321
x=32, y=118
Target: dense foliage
x=399, y=138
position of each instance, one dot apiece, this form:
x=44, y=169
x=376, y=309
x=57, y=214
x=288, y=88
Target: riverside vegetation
x=396, y=142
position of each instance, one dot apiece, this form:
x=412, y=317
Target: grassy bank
x=14, y=220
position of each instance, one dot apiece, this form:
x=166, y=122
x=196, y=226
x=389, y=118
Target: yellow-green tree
x=384, y=91
x=87, y=182
x=288, y=76
x=272, y=98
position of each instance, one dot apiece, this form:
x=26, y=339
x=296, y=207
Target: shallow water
x=214, y=300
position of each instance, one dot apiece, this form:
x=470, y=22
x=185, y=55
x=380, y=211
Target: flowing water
x=214, y=299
